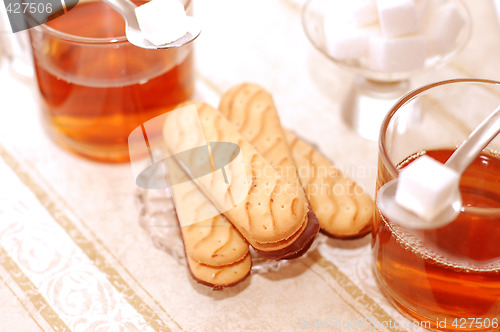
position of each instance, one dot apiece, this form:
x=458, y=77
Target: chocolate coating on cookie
x=301, y=245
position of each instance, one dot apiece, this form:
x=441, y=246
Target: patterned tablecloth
x=73, y=255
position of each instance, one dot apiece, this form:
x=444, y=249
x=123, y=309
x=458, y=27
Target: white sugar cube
x=344, y=39
x=162, y=21
x=397, y=17
x=349, y=42
x=423, y=7
x=443, y=27
x=426, y=187
x=397, y=54
x=364, y=12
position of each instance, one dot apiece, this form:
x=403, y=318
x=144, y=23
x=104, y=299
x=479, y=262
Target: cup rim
x=79, y=39
x=383, y=153
x=88, y=40
x=390, y=165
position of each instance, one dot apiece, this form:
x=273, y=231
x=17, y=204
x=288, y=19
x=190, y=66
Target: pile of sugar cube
x=391, y=35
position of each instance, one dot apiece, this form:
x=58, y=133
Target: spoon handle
x=468, y=151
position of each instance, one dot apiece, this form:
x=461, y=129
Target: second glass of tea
x=96, y=87
x=446, y=278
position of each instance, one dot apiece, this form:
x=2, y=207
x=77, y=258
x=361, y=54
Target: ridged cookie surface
x=219, y=277
x=214, y=242
x=208, y=237
x=343, y=208
x=252, y=110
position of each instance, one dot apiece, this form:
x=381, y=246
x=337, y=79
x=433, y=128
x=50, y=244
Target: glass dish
x=313, y=15
x=158, y=217
x=375, y=91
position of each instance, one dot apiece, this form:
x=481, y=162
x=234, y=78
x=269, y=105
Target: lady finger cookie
x=251, y=109
x=216, y=253
x=269, y=210
x=209, y=238
x=343, y=208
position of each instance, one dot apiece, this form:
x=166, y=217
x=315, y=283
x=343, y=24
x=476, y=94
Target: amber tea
x=96, y=87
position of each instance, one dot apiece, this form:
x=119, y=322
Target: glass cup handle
x=19, y=56
x=15, y=47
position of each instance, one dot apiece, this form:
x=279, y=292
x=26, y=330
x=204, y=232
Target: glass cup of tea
x=447, y=278
x=96, y=87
